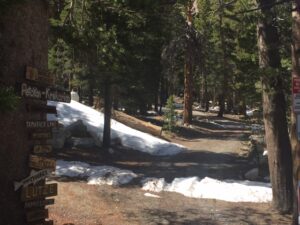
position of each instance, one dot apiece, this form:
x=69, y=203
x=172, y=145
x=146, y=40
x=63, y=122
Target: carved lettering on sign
x=37, y=215
x=58, y=96
x=35, y=192
x=41, y=135
x=34, y=177
x=39, y=203
x=31, y=91
x=41, y=124
x=37, y=149
x=38, y=162
x=37, y=92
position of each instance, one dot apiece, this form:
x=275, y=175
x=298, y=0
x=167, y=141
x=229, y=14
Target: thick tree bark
x=23, y=41
x=274, y=107
x=188, y=69
x=107, y=116
x=294, y=140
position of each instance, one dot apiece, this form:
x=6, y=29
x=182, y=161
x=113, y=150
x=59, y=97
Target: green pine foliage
x=8, y=99
x=170, y=115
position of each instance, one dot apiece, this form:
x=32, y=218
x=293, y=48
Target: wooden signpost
x=36, y=91
x=38, y=203
x=34, y=177
x=41, y=108
x=41, y=124
x=37, y=149
x=40, y=135
x=38, y=162
x=33, y=75
x=36, y=192
x=41, y=93
x=48, y=222
x=37, y=215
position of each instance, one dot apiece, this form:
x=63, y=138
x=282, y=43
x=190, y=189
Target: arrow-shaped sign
x=34, y=177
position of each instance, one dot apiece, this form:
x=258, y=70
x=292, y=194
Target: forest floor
x=213, y=151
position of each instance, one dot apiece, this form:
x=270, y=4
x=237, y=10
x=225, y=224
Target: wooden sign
x=35, y=176
x=41, y=124
x=32, y=91
x=41, y=108
x=48, y=222
x=38, y=162
x=47, y=79
x=31, y=73
x=42, y=93
x=37, y=215
x=40, y=135
x=35, y=192
x=37, y=149
x=39, y=203
x=58, y=96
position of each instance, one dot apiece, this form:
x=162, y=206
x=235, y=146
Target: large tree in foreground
x=23, y=41
x=274, y=108
x=294, y=137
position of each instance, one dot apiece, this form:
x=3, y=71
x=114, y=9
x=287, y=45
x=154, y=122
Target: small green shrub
x=170, y=115
x=8, y=99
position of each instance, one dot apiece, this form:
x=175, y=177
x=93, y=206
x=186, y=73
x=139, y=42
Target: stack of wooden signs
x=35, y=193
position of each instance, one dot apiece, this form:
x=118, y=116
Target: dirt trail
x=214, y=147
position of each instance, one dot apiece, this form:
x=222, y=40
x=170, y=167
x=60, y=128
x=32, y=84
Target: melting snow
x=228, y=190
x=69, y=113
x=97, y=175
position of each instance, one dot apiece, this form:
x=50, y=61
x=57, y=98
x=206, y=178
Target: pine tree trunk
x=274, y=107
x=90, y=93
x=188, y=70
x=23, y=41
x=107, y=116
x=222, y=96
x=294, y=140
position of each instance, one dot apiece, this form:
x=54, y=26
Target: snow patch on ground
x=224, y=124
x=69, y=113
x=227, y=190
x=97, y=175
x=151, y=195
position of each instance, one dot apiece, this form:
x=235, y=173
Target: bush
x=8, y=99
x=170, y=115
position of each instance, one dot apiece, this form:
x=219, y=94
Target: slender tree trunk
x=23, y=41
x=294, y=139
x=91, y=93
x=188, y=69
x=107, y=116
x=274, y=107
x=223, y=93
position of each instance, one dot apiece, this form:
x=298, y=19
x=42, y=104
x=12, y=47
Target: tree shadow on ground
x=187, y=164
x=224, y=214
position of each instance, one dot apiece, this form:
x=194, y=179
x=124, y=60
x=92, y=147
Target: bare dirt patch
x=213, y=152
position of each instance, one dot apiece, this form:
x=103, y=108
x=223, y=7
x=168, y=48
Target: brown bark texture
x=294, y=140
x=274, y=107
x=188, y=69
x=23, y=41
x=107, y=116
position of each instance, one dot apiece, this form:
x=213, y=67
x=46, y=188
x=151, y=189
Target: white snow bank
x=69, y=113
x=97, y=175
x=227, y=190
